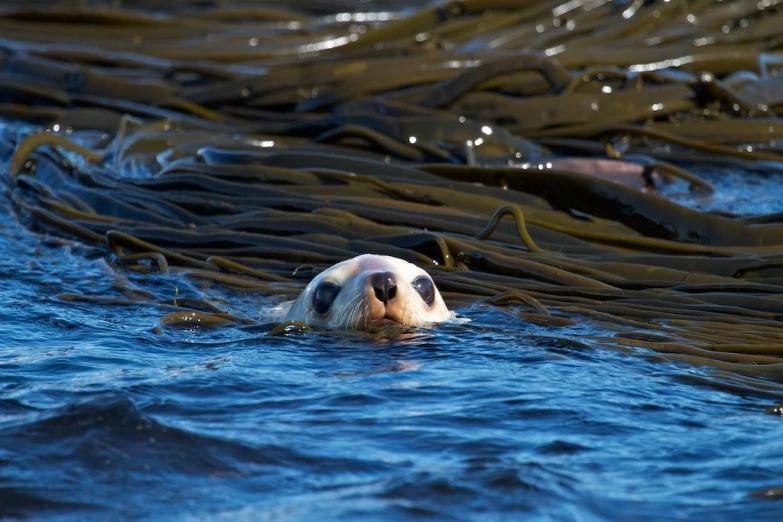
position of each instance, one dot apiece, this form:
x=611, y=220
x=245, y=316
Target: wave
x=80, y=457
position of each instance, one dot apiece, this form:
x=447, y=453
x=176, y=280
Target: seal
x=369, y=290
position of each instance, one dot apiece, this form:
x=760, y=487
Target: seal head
x=369, y=290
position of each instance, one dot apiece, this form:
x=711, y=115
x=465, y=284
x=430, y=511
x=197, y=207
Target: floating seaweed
x=515, y=149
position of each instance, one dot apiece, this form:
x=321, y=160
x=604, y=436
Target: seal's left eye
x=324, y=296
x=426, y=289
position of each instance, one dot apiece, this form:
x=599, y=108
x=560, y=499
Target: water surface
x=617, y=356
x=101, y=418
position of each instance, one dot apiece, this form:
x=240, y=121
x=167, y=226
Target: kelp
x=516, y=149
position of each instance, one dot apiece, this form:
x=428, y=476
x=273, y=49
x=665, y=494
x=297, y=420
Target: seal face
x=369, y=290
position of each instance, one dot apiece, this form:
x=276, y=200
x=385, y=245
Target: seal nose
x=384, y=286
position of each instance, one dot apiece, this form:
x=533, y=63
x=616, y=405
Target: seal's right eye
x=324, y=296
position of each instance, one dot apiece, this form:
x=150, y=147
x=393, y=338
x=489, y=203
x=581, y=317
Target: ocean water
x=106, y=416
x=107, y=413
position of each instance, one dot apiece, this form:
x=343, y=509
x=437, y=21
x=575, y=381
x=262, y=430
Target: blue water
x=738, y=191
x=103, y=416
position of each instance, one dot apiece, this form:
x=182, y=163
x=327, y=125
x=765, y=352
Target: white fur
x=356, y=306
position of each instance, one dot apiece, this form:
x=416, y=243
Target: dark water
x=101, y=418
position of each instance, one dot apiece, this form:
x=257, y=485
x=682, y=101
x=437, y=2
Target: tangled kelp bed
x=255, y=143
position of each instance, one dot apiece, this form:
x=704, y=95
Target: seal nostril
x=384, y=286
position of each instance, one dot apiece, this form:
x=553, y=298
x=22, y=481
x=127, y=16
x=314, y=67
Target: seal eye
x=426, y=289
x=324, y=296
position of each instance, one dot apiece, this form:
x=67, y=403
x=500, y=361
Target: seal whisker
x=351, y=309
x=354, y=306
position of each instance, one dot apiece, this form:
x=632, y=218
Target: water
x=106, y=414
x=742, y=192
x=103, y=417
